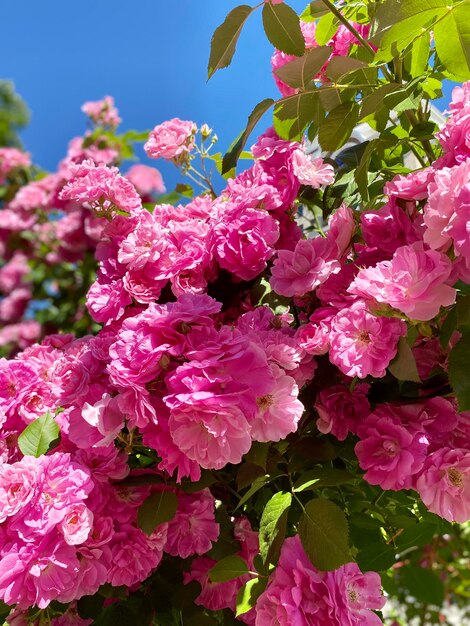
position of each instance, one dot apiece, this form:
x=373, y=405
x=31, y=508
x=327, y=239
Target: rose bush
x=251, y=404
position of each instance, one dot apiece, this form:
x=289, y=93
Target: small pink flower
x=312, y=171
x=341, y=411
x=147, y=180
x=303, y=270
x=244, y=241
x=103, y=112
x=77, y=524
x=362, y=344
x=101, y=187
x=279, y=411
x=392, y=452
x=413, y=282
x=444, y=484
x=210, y=430
x=172, y=139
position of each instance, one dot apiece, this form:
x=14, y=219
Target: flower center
x=364, y=337
x=265, y=401
x=455, y=477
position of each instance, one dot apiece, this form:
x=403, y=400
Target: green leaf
x=258, y=483
x=417, y=59
x=293, y=114
x=326, y=28
x=247, y=473
x=403, y=366
x=313, y=11
x=417, y=535
x=249, y=594
x=410, y=21
x=339, y=66
x=375, y=101
x=158, y=508
x=228, y=568
x=225, y=37
x=323, y=530
x=273, y=526
x=37, y=437
x=338, y=126
x=184, y=190
x=376, y=557
x=452, y=37
x=423, y=584
x=231, y=157
x=282, y=27
x=458, y=372
x=322, y=477
x=299, y=72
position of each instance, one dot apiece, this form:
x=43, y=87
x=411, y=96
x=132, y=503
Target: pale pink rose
x=444, y=484
x=243, y=242
x=102, y=188
x=11, y=159
x=391, y=452
x=444, y=198
x=171, y=139
x=147, y=180
x=362, y=344
x=413, y=282
x=297, y=593
x=103, y=112
x=303, y=270
x=279, y=411
x=312, y=171
x=210, y=430
x=77, y=524
x=193, y=529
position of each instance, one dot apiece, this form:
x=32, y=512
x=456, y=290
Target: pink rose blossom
x=103, y=112
x=147, y=180
x=362, y=344
x=299, y=594
x=244, y=241
x=101, y=187
x=171, y=139
x=391, y=452
x=11, y=159
x=210, y=429
x=341, y=411
x=413, y=282
x=303, y=270
x=279, y=411
x=444, y=484
x=193, y=529
x=312, y=171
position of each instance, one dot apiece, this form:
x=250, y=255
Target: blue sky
x=151, y=56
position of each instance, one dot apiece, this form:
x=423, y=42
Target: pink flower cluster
x=340, y=44
x=103, y=112
x=424, y=446
x=299, y=594
x=171, y=140
x=12, y=159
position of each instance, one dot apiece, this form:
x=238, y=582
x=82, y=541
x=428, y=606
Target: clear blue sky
x=151, y=55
